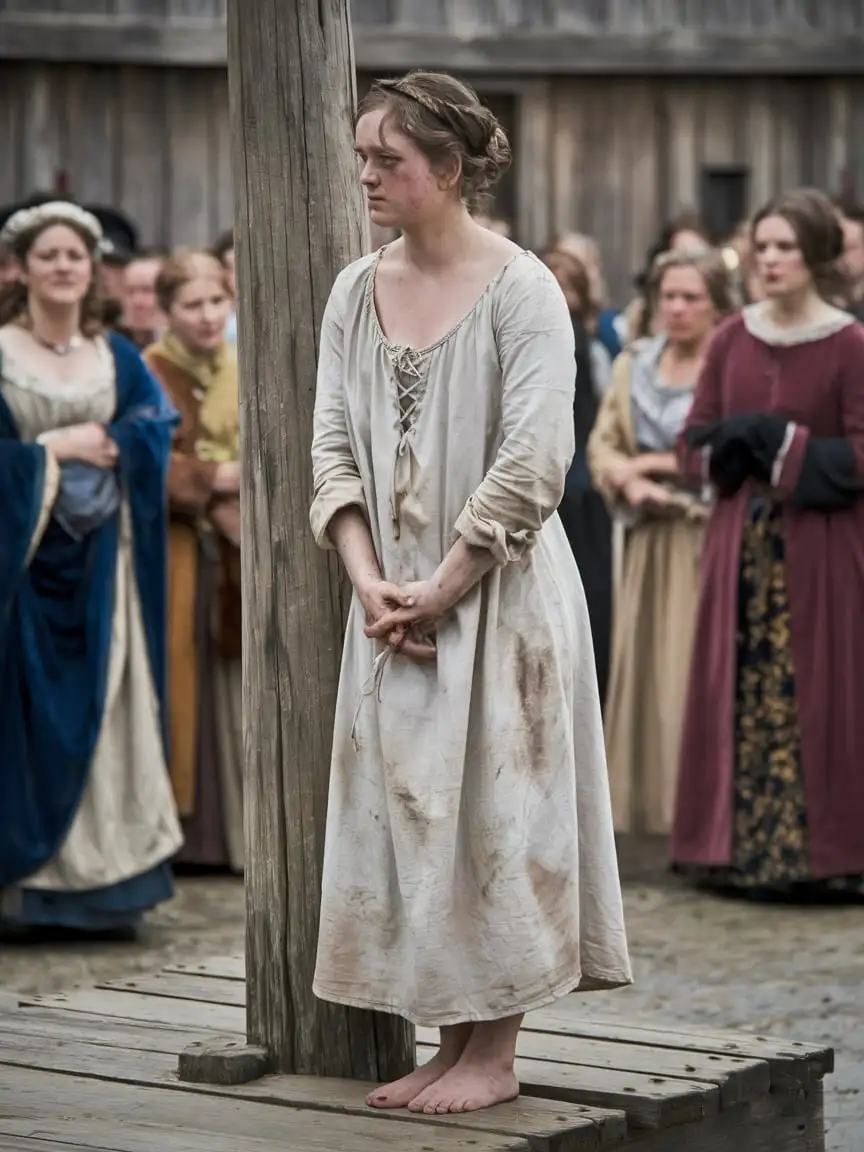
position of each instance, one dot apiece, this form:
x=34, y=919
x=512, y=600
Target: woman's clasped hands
x=87, y=443
x=405, y=618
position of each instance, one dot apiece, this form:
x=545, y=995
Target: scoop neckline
x=15, y=372
x=376, y=319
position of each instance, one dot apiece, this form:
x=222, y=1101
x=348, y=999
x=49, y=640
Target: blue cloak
x=56, y=615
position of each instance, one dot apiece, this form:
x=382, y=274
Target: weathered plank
x=109, y=1032
x=149, y=1009
x=37, y=1144
x=125, y=1118
x=648, y=1102
x=531, y=160
x=738, y=1079
x=219, y=979
x=176, y=985
x=91, y=115
x=219, y=967
x=188, y=100
x=772, y=1124
x=534, y=45
x=547, y=1126
x=783, y=1056
x=142, y=162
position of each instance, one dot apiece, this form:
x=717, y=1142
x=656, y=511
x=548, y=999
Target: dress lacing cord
x=410, y=383
x=371, y=687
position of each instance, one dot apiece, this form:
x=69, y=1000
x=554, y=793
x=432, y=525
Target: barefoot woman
x=459, y=889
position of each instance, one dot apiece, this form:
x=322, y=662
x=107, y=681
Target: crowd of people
x=711, y=506
x=120, y=616
x=714, y=511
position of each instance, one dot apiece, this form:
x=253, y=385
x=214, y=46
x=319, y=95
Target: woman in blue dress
x=87, y=815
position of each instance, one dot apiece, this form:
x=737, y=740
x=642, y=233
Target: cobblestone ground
x=794, y=972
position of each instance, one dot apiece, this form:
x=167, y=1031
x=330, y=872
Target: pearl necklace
x=74, y=341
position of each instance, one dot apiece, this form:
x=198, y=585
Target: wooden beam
x=595, y=53
x=793, y=50
x=299, y=220
x=109, y=40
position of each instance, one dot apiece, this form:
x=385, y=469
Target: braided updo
x=444, y=118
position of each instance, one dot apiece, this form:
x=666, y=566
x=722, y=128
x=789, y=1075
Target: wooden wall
x=611, y=156
x=153, y=142
x=617, y=157
x=537, y=37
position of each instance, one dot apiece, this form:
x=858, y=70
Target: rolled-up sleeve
x=524, y=486
x=336, y=478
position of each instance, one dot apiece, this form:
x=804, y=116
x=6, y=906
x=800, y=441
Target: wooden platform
x=96, y=1069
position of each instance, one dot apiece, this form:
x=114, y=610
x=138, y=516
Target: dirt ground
x=793, y=972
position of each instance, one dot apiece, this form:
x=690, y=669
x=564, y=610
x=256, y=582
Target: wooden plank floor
x=96, y=1069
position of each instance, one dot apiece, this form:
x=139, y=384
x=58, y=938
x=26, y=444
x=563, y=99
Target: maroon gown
x=772, y=761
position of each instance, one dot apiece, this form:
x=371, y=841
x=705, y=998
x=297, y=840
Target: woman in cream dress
x=631, y=454
x=470, y=871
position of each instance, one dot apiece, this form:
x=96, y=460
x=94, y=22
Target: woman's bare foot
x=482, y=1076
x=467, y=1087
x=401, y=1092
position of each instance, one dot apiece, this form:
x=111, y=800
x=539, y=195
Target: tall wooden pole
x=299, y=220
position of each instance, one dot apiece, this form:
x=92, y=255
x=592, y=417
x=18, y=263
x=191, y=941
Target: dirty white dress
x=470, y=869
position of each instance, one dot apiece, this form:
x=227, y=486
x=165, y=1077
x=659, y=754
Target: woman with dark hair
x=582, y=510
x=87, y=819
x=469, y=870
x=771, y=793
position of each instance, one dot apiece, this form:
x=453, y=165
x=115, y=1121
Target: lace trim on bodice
x=758, y=324
x=14, y=371
x=40, y=405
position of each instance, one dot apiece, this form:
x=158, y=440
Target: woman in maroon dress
x=771, y=789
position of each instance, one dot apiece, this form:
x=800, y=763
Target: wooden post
x=299, y=220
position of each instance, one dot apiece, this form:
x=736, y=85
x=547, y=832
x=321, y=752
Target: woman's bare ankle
x=454, y=1039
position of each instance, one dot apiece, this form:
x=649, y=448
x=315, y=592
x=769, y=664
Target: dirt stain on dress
x=411, y=807
x=532, y=686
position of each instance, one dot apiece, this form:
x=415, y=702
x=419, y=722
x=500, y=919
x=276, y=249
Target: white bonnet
x=54, y=212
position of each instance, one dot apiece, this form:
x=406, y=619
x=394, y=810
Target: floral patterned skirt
x=770, y=854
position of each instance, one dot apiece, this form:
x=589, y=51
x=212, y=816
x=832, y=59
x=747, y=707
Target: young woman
x=771, y=796
x=198, y=369
x=459, y=889
x=631, y=453
x=87, y=819
x=582, y=509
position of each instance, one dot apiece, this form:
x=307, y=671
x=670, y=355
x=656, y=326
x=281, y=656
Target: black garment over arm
x=828, y=479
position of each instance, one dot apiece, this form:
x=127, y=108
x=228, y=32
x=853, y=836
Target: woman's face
x=140, y=306
x=401, y=188
x=199, y=313
x=686, y=311
x=780, y=263
x=58, y=269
